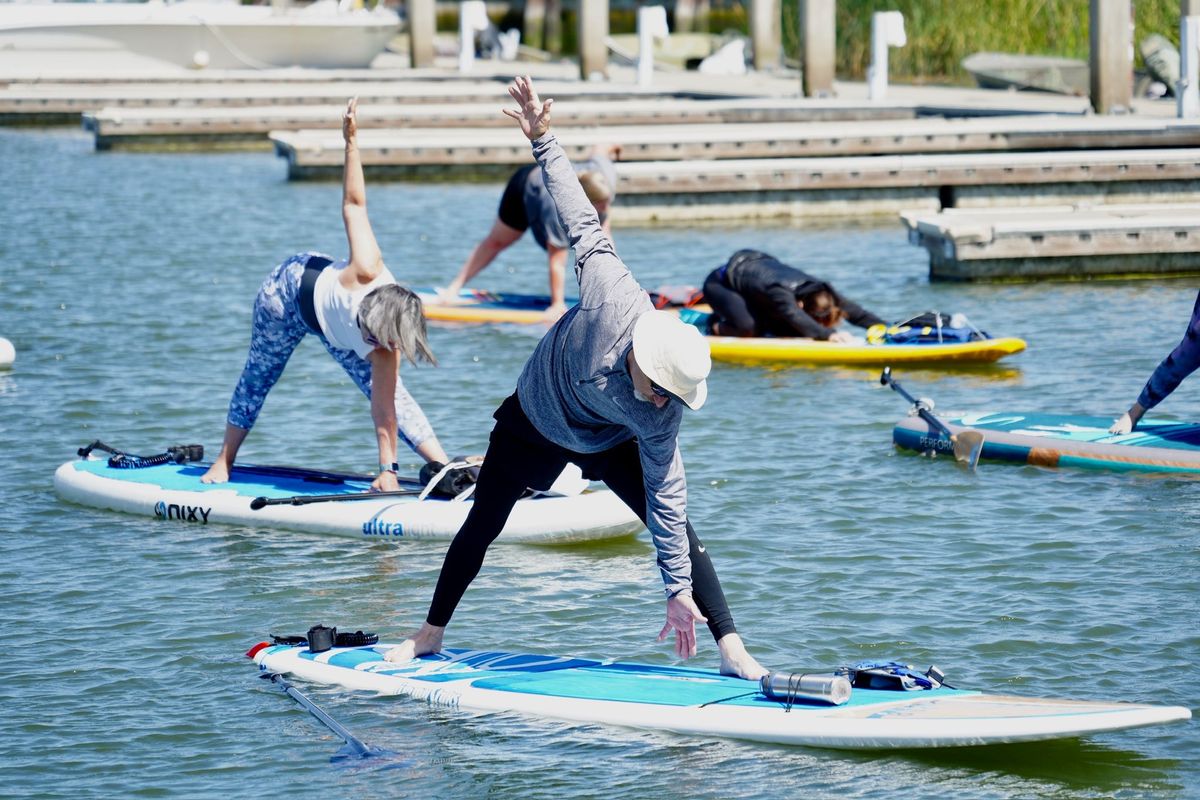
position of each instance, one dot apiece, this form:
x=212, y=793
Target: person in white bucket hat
x=674, y=356
x=605, y=389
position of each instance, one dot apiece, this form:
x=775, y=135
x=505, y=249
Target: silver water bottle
x=788, y=687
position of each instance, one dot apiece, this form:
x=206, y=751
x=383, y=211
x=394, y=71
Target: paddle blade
x=967, y=447
x=257, y=503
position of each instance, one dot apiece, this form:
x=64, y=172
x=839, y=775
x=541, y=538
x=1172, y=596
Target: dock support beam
x=818, y=26
x=765, y=36
x=554, y=28
x=593, y=30
x=1111, y=53
x=422, y=28
x=533, y=23
x=1187, y=92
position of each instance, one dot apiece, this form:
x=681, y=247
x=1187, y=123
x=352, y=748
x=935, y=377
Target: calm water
x=127, y=286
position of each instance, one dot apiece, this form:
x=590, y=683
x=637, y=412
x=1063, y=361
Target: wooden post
x=554, y=26
x=703, y=12
x=1111, y=61
x=422, y=28
x=685, y=16
x=533, y=23
x=765, y=36
x=593, y=30
x=818, y=26
x=1189, y=8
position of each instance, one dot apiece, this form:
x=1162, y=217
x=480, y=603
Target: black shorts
x=512, y=202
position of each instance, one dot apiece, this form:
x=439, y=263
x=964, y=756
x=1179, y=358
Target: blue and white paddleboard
x=1063, y=440
x=174, y=493
x=702, y=702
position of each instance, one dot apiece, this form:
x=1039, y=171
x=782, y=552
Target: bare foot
x=735, y=660
x=425, y=641
x=217, y=473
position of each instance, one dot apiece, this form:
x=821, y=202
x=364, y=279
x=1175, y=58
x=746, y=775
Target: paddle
x=303, y=499
x=968, y=444
x=354, y=747
x=313, y=475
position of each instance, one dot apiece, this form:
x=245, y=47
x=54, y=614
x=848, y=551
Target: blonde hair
x=595, y=186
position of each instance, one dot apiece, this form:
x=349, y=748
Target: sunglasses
x=661, y=392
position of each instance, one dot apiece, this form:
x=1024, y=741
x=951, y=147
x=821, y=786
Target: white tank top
x=337, y=307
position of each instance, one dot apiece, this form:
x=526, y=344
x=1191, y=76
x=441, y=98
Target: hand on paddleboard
x=682, y=616
x=385, y=481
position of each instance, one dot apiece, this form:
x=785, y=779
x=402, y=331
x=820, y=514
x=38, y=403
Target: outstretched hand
x=350, y=120
x=682, y=616
x=533, y=115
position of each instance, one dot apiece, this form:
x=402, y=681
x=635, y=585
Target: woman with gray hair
x=364, y=318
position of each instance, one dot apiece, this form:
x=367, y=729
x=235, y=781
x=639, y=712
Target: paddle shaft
x=303, y=500
x=314, y=475
x=354, y=745
x=923, y=412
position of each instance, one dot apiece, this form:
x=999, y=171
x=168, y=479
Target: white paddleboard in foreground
x=702, y=702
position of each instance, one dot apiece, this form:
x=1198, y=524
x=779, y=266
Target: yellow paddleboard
x=479, y=306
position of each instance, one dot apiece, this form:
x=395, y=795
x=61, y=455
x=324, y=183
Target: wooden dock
x=1070, y=242
x=647, y=130
x=686, y=190
x=441, y=152
x=249, y=126
x=54, y=103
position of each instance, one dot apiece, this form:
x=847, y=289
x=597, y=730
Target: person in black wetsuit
x=755, y=294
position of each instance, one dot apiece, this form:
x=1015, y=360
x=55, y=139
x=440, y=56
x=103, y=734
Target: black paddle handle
x=303, y=500
x=923, y=412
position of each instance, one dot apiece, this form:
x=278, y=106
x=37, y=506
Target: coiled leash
x=177, y=454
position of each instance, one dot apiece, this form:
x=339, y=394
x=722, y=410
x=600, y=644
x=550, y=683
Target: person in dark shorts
x=1179, y=363
x=606, y=388
x=755, y=294
x=526, y=205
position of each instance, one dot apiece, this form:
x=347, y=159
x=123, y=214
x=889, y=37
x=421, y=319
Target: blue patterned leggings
x=277, y=330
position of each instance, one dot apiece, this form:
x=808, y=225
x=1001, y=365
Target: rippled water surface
x=126, y=286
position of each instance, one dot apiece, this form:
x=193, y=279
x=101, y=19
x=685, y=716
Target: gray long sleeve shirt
x=576, y=388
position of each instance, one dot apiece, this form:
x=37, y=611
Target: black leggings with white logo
x=518, y=456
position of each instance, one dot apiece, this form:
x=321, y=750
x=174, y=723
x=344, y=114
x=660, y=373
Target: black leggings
x=519, y=457
x=729, y=308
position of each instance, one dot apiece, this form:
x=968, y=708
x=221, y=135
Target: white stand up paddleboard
x=705, y=703
x=173, y=493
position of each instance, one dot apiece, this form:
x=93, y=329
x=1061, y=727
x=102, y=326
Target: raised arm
x=366, y=262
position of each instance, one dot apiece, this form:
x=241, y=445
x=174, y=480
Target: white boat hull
x=199, y=34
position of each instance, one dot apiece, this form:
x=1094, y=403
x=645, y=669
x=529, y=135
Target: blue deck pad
x=584, y=679
x=1149, y=433
x=186, y=478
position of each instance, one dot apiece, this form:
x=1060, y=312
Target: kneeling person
x=755, y=294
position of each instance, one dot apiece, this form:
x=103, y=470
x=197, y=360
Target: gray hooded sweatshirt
x=576, y=388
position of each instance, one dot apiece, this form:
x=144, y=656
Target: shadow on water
x=1071, y=763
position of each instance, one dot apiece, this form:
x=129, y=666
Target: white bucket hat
x=674, y=355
